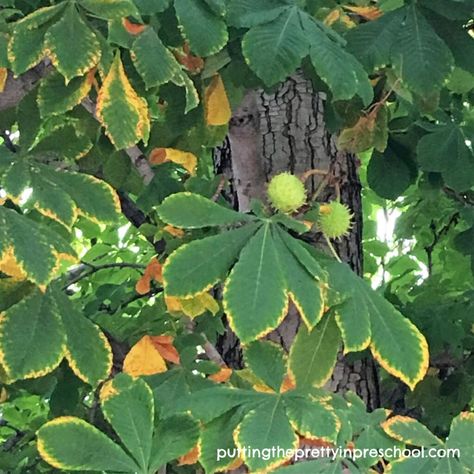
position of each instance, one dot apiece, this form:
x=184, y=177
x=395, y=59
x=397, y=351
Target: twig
x=74, y=276
x=7, y=141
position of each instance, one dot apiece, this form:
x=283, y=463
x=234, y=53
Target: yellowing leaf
x=333, y=16
x=3, y=78
x=217, y=105
x=144, y=359
x=153, y=271
x=122, y=112
x=191, y=457
x=187, y=160
x=369, y=13
x=194, y=306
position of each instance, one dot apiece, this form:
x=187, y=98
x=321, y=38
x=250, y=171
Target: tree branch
x=17, y=87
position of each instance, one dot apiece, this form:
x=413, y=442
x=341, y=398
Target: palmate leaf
x=258, y=276
x=275, y=430
x=274, y=50
x=30, y=250
x=154, y=62
x=395, y=342
x=72, y=46
x=62, y=196
x=26, y=46
x=422, y=58
x=205, y=31
x=313, y=354
x=195, y=267
x=128, y=406
x=341, y=71
x=461, y=436
x=304, y=289
x=32, y=339
x=192, y=211
x=69, y=443
x=120, y=110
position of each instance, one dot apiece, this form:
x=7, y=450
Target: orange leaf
x=144, y=359
x=3, y=78
x=132, y=28
x=172, y=304
x=217, y=105
x=164, y=345
x=190, y=457
x=332, y=17
x=161, y=155
x=222, y=376
x=193, y=64
x=153, y=271
x=288, y=384
x=174, y=231
x=368, y=13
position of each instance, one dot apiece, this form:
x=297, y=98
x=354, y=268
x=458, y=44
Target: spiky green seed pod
x=286, y=192
x=334, y=219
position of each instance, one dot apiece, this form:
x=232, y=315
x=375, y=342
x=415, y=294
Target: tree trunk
x=285, y=131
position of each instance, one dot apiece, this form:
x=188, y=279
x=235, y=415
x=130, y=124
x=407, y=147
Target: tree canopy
x=120, y=256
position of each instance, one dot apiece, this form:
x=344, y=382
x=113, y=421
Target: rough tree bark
x=285, y=131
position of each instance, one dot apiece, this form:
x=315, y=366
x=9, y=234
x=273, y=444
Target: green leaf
x=88, y=352
x=312, y=419
x=371, y=42
x=341, y=71
x=421, y=57
x=72, y=58
x=446, y=151
x=274, y=431
x=193, y=211
x=313, y=354
x=56, y=98
x=71, y=444
x=30, y=250
x=303, y=256
x=395, y=342
x=223, y=400
x=127, y=405
x=258, y=276
x=248, y=13
x=120, y=110
x=174, y=437
x=267, y=361
x=94, y=198
x=410, y=431
x=111, y=9
x=181, y=79
x=275, y=49
x=205, y=32
x=32, y=341
x=217, y=435
x=195, y=267
x=149, y=7
x=413, y=464
x=25, y=48
x=154, y=62
x=304, y=289
x=461, y=436
x=388, y=174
